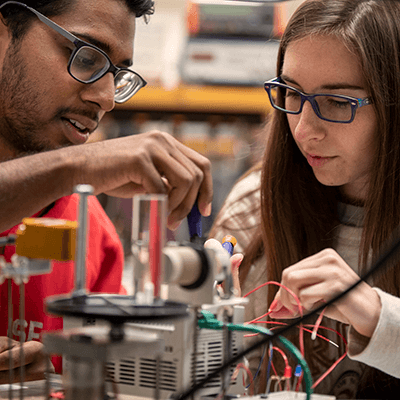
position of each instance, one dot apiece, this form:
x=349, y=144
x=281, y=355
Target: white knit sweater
x=382, y=351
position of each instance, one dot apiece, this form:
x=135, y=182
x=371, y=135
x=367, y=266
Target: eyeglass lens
x=126, y=85
x=330, y=107
x=89, y=65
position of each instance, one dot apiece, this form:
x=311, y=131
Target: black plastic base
x=116, y=308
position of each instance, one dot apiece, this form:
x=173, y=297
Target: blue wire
x=271, y=352
x=259, y=367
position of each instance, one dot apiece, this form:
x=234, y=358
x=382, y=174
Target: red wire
x=331, y=368
x=270, y=322
x=282, y=354
x=57, y=395
x=330, y=329
x=335, y=364
x=258, y=318
x=318, y=322
x=297, y=388
x=249, y=375
x=282, y=323
x=301, y=333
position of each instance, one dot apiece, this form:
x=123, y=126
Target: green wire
x=210, y=322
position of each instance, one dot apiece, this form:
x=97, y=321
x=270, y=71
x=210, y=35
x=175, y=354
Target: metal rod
x=9, y=335
x=227, y=353
x=84, y=192
x=22, y=337
x=195, y=347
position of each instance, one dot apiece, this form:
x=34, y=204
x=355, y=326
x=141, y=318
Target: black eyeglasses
x=328, y=107
x=88, y=63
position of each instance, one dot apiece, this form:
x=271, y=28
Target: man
x=56, y=83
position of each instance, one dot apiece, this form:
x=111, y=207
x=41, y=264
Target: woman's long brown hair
x=298, y=213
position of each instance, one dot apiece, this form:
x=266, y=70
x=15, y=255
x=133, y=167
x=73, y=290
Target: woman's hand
x=236, y=260
x=319, y=278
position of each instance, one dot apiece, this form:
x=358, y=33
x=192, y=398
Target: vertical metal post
x=84, y=192
x=195, y=347
x=22, y=338
x=9, y=334
x=227, y=352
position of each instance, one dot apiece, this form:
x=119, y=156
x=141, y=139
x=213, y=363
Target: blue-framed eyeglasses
x=328, y=107
x=88, y=63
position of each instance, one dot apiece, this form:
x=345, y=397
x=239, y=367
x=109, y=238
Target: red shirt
x=104, y=266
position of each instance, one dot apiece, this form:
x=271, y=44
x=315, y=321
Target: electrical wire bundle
x=210, y=322
x=313, y=329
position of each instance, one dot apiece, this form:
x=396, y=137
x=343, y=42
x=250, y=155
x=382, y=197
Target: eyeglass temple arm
x=364, y=102
x=45, y=20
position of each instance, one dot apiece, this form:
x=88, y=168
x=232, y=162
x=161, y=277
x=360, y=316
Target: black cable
x=379, y=263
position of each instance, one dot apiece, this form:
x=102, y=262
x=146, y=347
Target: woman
x=328, y=189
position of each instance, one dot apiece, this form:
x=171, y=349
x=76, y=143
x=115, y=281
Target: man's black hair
x=18, y=19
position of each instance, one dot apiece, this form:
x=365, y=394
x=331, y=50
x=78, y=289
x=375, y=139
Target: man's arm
x=152, y=162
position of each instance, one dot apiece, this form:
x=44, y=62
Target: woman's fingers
x=236, y=260
x=313, y=281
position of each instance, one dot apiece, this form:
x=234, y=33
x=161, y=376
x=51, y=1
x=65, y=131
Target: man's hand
x=155, y=162
x=151, y=162
x=35, y=360
x=319, y=278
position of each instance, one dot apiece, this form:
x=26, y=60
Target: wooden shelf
x=204, y=99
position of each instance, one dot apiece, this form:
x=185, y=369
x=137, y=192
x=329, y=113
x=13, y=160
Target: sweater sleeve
x=382, y=350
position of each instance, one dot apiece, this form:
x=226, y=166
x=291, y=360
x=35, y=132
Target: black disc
x=116, y=308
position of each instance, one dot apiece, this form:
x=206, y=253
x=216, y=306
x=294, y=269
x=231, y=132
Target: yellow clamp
x=46, y=238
